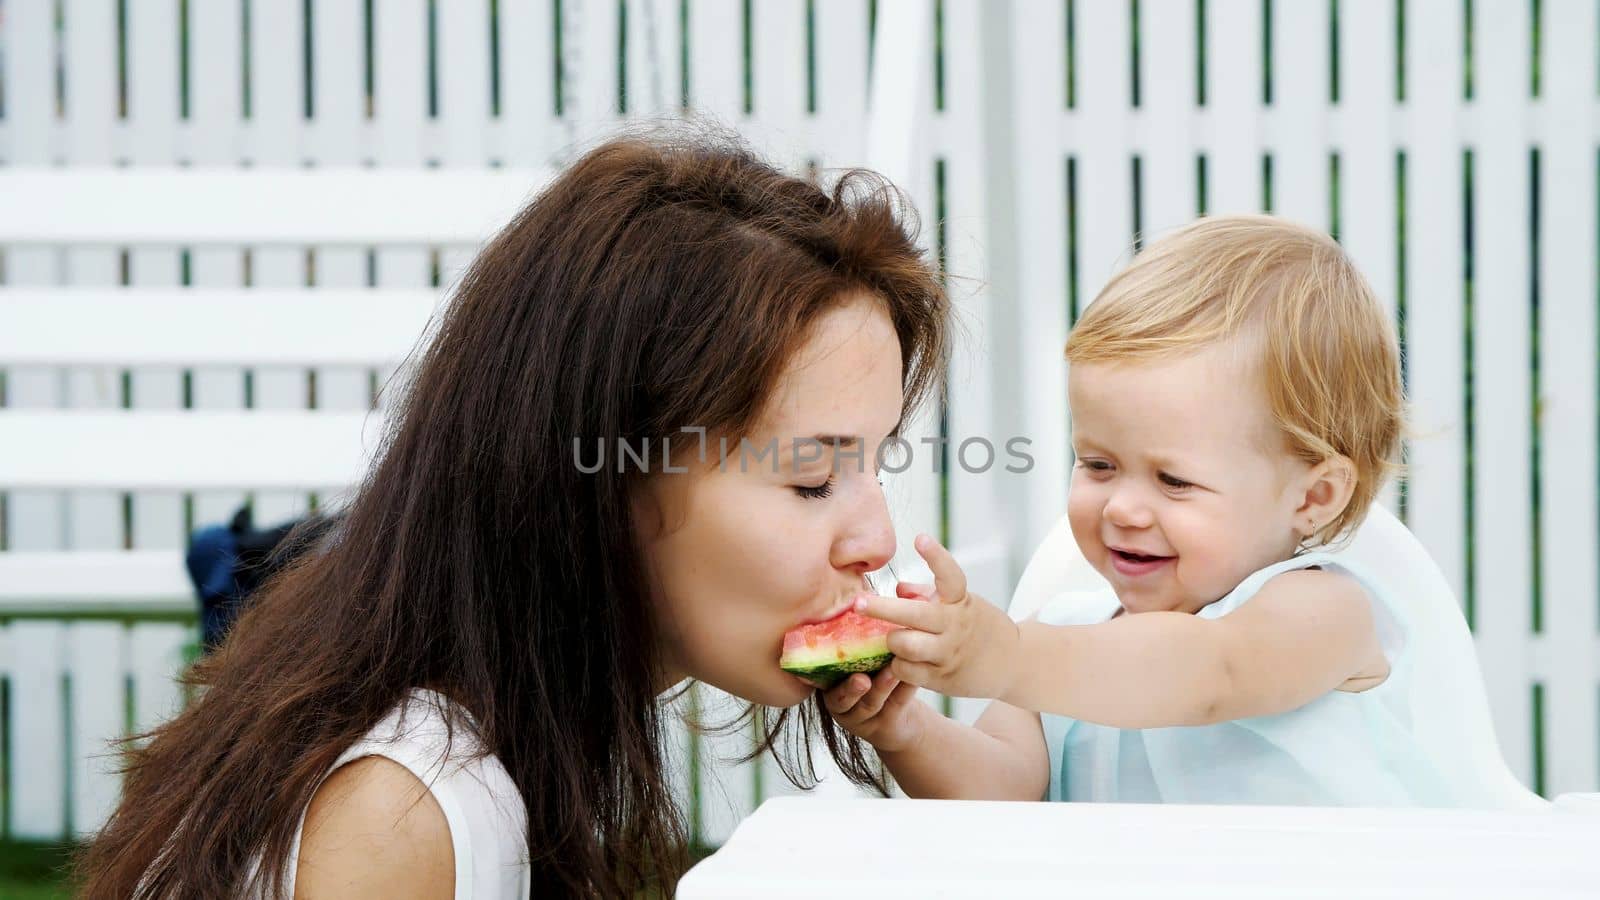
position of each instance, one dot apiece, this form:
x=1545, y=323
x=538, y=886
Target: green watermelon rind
x=826, y=675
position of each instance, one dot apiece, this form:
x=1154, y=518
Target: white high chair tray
x=814, y=847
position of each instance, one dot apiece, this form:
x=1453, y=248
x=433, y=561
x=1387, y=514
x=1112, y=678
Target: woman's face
x=741, y=551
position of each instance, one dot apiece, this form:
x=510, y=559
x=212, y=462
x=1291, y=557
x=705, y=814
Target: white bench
x=79, y=682
x=178, y=450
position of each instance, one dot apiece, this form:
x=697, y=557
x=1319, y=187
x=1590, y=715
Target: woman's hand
x=880, y=709
x=957, y=643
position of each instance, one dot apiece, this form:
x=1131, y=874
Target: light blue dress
x=1341, y=749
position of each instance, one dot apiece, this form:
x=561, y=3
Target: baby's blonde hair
x=1323, y=348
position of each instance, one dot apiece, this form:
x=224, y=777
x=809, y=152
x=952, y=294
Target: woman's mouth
x=1134, y=565
x=837, y=609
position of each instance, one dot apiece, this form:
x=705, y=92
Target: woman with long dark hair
x=462, y=693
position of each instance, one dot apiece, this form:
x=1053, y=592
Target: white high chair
x=1449, y=706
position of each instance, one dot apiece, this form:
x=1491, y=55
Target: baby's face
x=1182, y=485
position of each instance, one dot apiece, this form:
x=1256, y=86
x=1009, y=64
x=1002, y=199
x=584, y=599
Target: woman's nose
x=866, y=543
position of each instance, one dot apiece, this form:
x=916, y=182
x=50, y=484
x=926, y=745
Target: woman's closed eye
x=815, y=491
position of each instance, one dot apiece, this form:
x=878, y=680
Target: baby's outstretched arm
x=1305, y=633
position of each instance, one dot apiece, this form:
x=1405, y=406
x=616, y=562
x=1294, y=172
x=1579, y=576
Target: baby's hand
x=958, y=643
x=880, y=709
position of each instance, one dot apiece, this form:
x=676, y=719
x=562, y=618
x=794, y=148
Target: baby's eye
x=1174, y=482
x=1095, y=465
x=815, y=492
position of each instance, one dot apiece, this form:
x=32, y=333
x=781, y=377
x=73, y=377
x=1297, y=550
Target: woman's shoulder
x=373, y=829
x=415, y=806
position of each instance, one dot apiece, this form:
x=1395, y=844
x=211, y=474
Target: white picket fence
x=1043, y=138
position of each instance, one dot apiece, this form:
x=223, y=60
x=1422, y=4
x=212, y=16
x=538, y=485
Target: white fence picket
x=152, y=92
x=95, y=672
x=94, y=518
x=1567, y=408
x=338, y=112
x=216, y=116
x=1299, y=75
x=1501, y=448
x=38, y=785
x=1167, y=103
x=1233, y=99
x=155, y=657
x=1435, y=309
x=1367, y=213
x=1035, y=237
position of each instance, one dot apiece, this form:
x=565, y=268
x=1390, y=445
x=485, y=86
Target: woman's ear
x=1326, y=490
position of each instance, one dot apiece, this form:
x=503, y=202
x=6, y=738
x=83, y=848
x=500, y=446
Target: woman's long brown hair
x=657, y=283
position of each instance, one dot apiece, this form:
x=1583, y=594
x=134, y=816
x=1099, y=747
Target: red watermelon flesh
x=825, y=653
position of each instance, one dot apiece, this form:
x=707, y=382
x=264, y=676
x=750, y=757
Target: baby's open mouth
x=1137, y=557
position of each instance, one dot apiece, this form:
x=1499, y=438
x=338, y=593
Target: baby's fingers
x=844, y=696
x=883, y=684
x=915, y=646
x=950, y=580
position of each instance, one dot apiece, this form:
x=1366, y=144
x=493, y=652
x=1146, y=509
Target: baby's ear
x=1327, y=488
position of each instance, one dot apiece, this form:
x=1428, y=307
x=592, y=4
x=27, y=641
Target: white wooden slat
x=1436, y=453
x=527, y=75
x=1167, y=98
x=841, y=75
x=464, y=100
x=339, y=111
x=33, y=520
x=1568, y=408
x=159, y=450
x=153, y=57
x=278, y=116
x=37, y=771
x=156, y=653
x=1101, y=142
x=1299, y=98
x=215, y=119
x=778, y=88
x=1233, y=98
x=978, y=456
x=464, y=103
x=261, y=206
x=1029, y=226
x=96, y=667
x=400, y=81
x=94, y=518
x=401, y=89
x=1367, y=160
x=716, y=51
x=591, y=47
x=1502, y=564
x=82, y=581
x=653, y=60
x=338, y=102
x=463, y=81
x=186, y=326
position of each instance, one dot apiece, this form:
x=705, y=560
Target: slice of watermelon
x=825, y=653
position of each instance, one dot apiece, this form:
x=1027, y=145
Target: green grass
x=33, y=871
